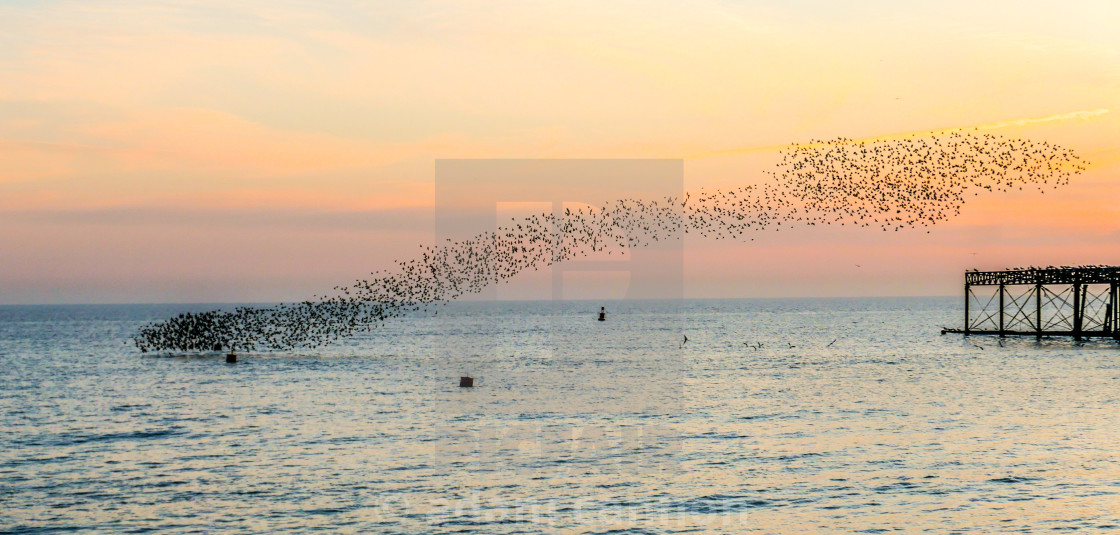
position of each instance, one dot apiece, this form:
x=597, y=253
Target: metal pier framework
x=1081, y=302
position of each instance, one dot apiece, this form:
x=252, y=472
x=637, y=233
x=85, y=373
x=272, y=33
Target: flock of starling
x=891, y=184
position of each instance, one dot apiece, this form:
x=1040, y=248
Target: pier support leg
x=967, y=295
x=1002, y=293
x=1038, y=311
x=1077, y=311
x=1114, y=300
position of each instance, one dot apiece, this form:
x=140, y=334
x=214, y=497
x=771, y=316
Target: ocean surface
x=776, y=416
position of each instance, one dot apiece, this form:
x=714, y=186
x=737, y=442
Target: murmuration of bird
x=895, y=184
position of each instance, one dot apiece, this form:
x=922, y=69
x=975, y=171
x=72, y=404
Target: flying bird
x=891, y=185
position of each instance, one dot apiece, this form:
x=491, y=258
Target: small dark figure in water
x=602, y=313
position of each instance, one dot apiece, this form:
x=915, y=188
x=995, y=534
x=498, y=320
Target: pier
x=1081, y=302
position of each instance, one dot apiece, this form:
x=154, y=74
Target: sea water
x=775, y=416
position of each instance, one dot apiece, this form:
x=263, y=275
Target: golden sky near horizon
x=159, y=151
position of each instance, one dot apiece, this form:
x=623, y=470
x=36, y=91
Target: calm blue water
x=854, y=415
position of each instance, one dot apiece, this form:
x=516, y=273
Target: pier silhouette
x=1077, y=301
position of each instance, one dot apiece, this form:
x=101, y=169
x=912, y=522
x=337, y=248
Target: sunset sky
x=211, y=151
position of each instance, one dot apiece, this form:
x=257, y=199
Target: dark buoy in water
x=602, y=313
x=231, y=357
x=466, y=382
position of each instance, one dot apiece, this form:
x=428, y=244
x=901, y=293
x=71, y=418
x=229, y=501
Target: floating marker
x=231, y=358
x=466, y=382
